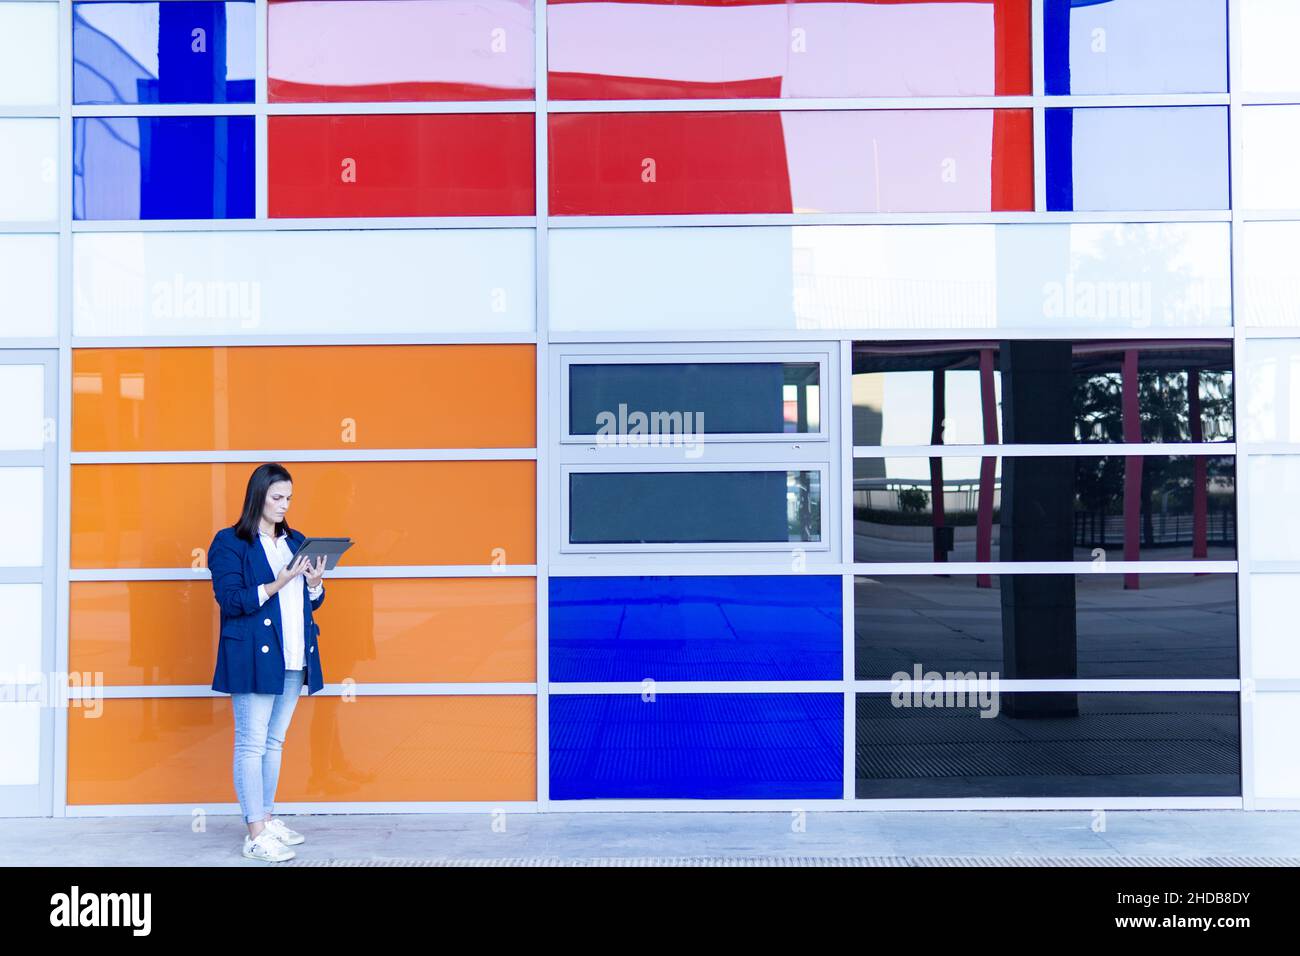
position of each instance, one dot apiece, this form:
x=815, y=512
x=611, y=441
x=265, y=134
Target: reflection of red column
x=936, y=464
x=1132, y=465
x=1200, y=476
x=988, y=469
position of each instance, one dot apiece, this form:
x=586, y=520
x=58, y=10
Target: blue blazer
x=250, y=655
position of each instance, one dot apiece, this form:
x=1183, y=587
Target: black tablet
x=331, y=548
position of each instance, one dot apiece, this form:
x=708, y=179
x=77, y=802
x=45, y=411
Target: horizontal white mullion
x=1045, y=567
x=609, y=565
x=792, y=104
x=293, y=808
x=560, y=688
x=1270, y=448
x=1268, y=685
x=7, y=344
x=401, y=108
x=1272, y=331
x=1271, y=99
x=442, y=689
x=885, y=218
x=29, y=111
x=34, y=575
x=332, y=224
x=135, y=110
x=315, y=454
x=24, y=226
x=946, y=334
x=1074, y=685
x=27, y=458
x=1086, y=100
x=825, y=103
x=887, y=805
x=1274, y=567
x=387, y=571
x=1080, y=450
x=216, y=340
x=1269, y=215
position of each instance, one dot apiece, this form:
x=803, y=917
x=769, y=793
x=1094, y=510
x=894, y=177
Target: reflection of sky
x=908, y=411
x=134, y=27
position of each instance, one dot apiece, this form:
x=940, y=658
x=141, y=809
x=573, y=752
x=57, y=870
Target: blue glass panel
x=1142, y=157
x=747, y=627
x=163, y=167
x=173, y=52
x=1135, y=46
x=697, y=746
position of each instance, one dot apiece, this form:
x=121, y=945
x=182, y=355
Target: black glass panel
x=1049, y=392
x=1092, y=744
x=1041, y=508
x=694, y=507
x=749, y=398
x=1047, y=626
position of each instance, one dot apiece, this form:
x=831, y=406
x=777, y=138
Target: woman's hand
x=315, y=571
x=291, y=571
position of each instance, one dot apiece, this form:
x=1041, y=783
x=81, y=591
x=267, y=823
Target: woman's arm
x=235, y=596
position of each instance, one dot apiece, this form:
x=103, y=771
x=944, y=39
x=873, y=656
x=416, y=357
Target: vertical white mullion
x=1040, y=117
x=1245, y=658
x=260, y=149
x=543, y=405
x=845, y=433
x=58, y=805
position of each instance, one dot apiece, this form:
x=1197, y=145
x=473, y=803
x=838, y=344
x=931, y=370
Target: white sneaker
x=283, y=833
x=266, y=847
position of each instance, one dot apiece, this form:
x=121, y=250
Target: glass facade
x=857, y=405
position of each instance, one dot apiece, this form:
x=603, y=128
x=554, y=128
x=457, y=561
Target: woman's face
x=277, y=501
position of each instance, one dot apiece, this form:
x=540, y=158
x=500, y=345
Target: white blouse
x=279, y=555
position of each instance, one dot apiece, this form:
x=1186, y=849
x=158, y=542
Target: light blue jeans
x=261, y=721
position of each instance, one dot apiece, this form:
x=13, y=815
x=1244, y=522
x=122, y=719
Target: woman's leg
x=252, y=716
x=277, y=728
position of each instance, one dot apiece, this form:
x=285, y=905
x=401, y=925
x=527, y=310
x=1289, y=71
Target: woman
x=267, y=649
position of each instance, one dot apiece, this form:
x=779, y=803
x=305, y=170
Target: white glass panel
x=1270, y=277
x=1277, y=758
x=1274, y=523
x=1149, y=46
x=1270, y=145
x=1269, y=29
x=1083, y=275
x=29, y=169
x=29, y=275
x=1275, y=646
x=29, y=54
x=22, y=397
x=20, y=637
x=20, y=757
x=1270, y=391
x=1150, y=158
x=22, y=492
x=273, y=283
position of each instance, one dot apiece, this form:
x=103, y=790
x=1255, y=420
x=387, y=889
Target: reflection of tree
x=1163, y=403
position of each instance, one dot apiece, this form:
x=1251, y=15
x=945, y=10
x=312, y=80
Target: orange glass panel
x=179, y=750
x=371, y=396
x=373, y=630
x=143, y=632
x=397, y=512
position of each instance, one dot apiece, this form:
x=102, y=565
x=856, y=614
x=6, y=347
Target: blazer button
x=265, y=649
x=266, y=621
x=313, y=649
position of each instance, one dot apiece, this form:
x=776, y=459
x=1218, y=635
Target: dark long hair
x=259, y=482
